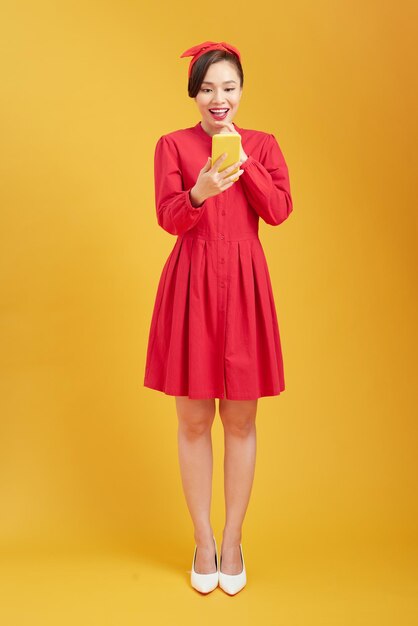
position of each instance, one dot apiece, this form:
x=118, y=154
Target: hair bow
x=197, y=51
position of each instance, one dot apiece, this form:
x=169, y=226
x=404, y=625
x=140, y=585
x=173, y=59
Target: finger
x=227, y=186
x=230, y=168
x=207, y=165
x=218, y=161
x=231, y=179
x=226, y=125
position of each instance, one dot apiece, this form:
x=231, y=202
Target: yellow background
x=93, y=520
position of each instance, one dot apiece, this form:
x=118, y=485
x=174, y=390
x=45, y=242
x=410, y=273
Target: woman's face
x=220, y=89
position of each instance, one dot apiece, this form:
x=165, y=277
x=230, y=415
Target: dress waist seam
x=218, y=238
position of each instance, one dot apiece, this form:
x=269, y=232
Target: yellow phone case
x=229, y=143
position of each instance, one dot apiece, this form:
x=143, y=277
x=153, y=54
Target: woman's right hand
x=210, y=182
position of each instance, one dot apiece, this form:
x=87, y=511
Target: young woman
x=214, y=331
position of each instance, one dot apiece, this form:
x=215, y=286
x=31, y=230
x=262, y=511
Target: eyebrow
x=224, y=83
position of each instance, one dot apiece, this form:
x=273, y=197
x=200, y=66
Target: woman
x=214, y=330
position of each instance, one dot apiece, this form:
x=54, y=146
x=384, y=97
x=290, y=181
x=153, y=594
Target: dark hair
x=201, y=66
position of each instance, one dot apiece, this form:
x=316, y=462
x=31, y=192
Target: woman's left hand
x=227, y=127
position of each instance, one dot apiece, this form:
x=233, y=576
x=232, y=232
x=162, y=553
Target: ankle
x=231, y=536
x=204, y=537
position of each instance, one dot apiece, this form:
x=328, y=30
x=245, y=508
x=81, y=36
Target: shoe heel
x=233, y=583
x=205, y=583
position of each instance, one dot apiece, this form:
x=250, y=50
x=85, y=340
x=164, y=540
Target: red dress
x=214, y=330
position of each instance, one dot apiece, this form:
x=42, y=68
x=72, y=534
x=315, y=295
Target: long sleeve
x=175, y=212
x=267, y=184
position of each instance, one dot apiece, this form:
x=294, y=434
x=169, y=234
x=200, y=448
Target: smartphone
x=229, y=143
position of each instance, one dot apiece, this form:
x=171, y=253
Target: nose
x=218, y=98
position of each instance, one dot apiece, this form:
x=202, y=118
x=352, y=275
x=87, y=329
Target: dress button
x=221, y=236
x=222, y=260
x=222, y=284
x=223, y=212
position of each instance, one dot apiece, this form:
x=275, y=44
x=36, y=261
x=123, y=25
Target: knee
x=238, y=420
x=195, y=417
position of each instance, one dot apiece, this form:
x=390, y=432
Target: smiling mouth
x=219, y=113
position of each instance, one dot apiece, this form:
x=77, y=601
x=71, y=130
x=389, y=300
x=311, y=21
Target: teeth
x=218, y=110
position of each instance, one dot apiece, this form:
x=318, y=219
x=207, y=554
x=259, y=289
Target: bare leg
x=238, y=418
x=195, y=418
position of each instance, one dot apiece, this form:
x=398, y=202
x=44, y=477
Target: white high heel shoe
x=205, y=582
x=232, y=583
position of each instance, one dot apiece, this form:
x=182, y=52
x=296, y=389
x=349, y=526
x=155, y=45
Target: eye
x=205, y=89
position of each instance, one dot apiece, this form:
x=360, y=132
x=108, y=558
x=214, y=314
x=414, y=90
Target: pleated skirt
x=214, y=331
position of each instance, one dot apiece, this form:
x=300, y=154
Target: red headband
x=201, y=48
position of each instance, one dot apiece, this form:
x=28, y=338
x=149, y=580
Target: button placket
x=222, y=267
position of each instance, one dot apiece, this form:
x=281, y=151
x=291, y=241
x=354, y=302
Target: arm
x=175, y=211
x=267, y=184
